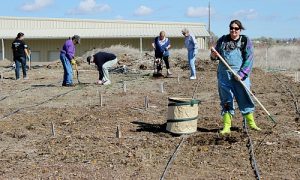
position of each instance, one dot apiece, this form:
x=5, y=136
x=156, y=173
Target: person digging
x=103, y=61
x=161, y=46
x=237, y=51
x=67, y=54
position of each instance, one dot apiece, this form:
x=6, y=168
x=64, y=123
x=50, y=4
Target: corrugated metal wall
x=46, y=49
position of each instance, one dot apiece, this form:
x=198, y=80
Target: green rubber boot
x=250, y=121
x=226, y=123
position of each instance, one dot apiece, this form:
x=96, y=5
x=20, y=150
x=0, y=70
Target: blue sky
x=270, y=18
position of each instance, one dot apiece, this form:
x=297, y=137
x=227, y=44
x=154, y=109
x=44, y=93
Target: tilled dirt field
x=85, y=144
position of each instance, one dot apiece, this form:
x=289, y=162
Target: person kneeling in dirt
x=104, y=61
x=237, y=50
x=161, y=46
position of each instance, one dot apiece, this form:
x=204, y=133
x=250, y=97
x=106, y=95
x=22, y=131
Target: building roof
x=38, y=28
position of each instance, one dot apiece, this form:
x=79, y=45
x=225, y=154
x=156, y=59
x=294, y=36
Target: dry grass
x=278, y=58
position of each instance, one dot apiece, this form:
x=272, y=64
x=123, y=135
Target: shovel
x=243, y=84
x=77, y=73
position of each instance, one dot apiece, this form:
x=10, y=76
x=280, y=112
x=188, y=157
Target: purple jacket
x=69, y=49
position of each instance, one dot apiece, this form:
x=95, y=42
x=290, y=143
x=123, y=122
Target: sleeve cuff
x=242, y=75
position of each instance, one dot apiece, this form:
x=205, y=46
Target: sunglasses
x=234, y=28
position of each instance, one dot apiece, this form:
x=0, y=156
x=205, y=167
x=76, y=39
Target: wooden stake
x=162, y=87
x=178, y=79
x=124, y=87
x=101, y=100
x=52, y=129
x=118, y=133
x=146, y=102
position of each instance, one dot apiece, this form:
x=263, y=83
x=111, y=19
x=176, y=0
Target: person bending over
x=103, y=61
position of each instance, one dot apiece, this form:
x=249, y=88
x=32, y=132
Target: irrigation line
x=172, y=158
x=295, y=100
x=196, y=88
x=26, y=89
x=38, y=104
x=5, y=97
x=251, y=151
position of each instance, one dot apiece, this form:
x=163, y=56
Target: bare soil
x=85, y=144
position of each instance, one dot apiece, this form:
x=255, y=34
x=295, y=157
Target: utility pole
x=209, y=17
x=210, y=43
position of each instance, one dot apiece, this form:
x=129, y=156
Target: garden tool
x=73, y=62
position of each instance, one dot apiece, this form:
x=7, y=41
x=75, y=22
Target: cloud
x=36, y=5
x=143, y=11
x=88, y=7
x=198, y=11
x=249, y=14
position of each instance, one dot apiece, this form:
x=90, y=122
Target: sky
x=268, y=18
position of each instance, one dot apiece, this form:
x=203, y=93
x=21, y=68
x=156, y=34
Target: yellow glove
x=73, y=62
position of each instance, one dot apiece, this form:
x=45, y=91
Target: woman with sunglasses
x=237, y=50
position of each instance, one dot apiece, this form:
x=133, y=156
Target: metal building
x=45, y=36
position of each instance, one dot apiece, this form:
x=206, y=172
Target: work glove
x=73, y=62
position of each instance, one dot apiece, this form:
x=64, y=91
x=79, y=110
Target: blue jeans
x=68, y=71
x=192, y=58
x=20, y=61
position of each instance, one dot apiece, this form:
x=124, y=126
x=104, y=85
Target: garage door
x=36, y=56
x=53, y=55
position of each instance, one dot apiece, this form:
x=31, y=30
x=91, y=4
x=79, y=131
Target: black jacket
x=101, y=58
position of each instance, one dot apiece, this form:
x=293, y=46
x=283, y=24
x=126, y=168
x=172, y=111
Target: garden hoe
x=243, y=84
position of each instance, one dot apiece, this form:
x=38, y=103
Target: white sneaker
x=26, y=78
x=108, y=82
x=99, y=82
x=193, y=78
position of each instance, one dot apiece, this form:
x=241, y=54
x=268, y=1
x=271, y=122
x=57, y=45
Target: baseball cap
x=77, y=38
